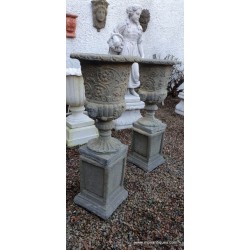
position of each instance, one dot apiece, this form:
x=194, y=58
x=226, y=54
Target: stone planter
x=79, y=127
x=148, y=131
x=103, y=160
x=70, y=25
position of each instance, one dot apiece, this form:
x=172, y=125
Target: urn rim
x=121, y=59
x=158, y=62
x=105, y=58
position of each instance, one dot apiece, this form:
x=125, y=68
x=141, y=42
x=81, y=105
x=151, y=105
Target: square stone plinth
x=146, y=151
x=101, y=181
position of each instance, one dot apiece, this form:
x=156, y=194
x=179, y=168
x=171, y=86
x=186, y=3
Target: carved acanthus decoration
x=105, y=84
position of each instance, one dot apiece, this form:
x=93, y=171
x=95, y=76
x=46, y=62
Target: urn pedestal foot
x=147, y=142
x=127, y=119
x=131, y=114
x=101, y=181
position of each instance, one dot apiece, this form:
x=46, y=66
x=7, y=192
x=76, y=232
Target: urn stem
x=105, y=143
x=104, y=129
x=150, y=111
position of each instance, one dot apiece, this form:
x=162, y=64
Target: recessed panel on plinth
x=146, y=151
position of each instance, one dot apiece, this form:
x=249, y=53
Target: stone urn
x=70, y=25
x=148, y=131
x=103, y=160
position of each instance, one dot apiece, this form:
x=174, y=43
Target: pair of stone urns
x=103, y=159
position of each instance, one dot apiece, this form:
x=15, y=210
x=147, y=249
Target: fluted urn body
x=103, y=160
x=75, y=98
x=148, y=131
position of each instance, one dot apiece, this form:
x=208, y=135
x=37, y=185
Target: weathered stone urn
x=103, y=160
x=148, y=131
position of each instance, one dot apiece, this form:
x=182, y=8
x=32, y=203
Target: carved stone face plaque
x=144, y=19
x=70, y=25
x=99, y=12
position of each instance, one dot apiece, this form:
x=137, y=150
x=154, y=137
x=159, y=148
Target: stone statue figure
x=99, y=11
x=144, y=19
x=126, y=39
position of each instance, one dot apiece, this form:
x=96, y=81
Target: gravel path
x=152, y=217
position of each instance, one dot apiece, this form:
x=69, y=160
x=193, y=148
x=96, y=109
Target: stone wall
x=164, y=35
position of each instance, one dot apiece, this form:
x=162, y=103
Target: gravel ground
x=152, y=217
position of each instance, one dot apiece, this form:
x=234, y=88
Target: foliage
x=176, y=78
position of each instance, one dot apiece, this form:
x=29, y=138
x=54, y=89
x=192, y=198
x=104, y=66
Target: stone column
x=148, y=131
x=103, y=160
x=79, y=127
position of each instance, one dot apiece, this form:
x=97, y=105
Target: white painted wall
x=164, y=35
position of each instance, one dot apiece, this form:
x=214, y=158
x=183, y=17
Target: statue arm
x=116, y=40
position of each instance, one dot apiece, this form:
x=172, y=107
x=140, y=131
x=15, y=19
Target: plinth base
x=101, y=181
x=80, y=136
x=146, y=164
x=147, y=142
x=103, y=211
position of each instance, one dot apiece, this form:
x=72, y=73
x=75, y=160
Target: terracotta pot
x=70, y=25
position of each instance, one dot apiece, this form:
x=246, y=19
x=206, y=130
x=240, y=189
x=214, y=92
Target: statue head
x=134, y=12
x=99, y=11
x=144, y=19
